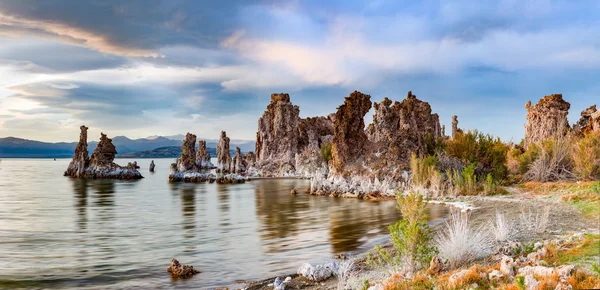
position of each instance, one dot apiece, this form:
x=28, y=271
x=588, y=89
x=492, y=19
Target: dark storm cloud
x=133, y=26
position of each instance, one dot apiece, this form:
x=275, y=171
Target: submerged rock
x=224, y=161
x=101, y=164
x=277, y=136
x=547, y=118
x=231, y=179
x=203, y=157
x=181, y=271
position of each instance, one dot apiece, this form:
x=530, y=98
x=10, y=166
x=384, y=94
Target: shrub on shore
x=586, y=157
x=486, y=153
x=460, y=242
x=411, y=238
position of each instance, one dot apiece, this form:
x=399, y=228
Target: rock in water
x=349, y=138
x=187, y=161
x=181, y=271
x=547, y=118
x=101, y=164
x=152, y=166
x=589, y=122
x=224, y=162
x=277, y=136
x=239, y=162
x=81, y=158
x=203, y=157
x=186, y=169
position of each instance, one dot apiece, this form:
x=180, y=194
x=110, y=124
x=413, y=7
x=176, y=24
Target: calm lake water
x=57, y=232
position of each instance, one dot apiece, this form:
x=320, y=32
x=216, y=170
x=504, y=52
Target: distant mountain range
x=165, y=152
x=23, y=148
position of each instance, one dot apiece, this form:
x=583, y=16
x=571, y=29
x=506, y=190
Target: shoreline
x=565, y=221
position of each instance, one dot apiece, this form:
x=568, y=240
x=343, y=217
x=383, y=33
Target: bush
x=553, y=162
x=490, y=186
x=586, y=157
x=503, y=229
x=421, y=169
x=487, y=153
x=410, y=236
x=326, y=151
x=460, y=243
x=469, y=179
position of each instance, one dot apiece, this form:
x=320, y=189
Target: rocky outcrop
x=250, y=159
x=368, y=164
x=277, y=136
x=224, y=161
x=455, y=129
x=589, y=122
x=546, y=119
x=399, y=130
x=349, y=138
x=203, y=157
x=313, y=133
x=186, y=169
x=239, y=162
x=181, y=271
x=81, y=157
x=100, y=165
x=231, y=179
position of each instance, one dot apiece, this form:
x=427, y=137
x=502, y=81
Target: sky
x=166, y=67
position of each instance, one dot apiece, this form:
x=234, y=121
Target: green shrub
x=483, y=151
x=411, y=238
x=469, y=179
x=326, y=151
x=490, y=185
x=421, y=169
x=520, y=280
x=434, y=145
x=586, y=157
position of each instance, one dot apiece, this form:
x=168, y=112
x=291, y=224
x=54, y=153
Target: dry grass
x=460, y=242
x=586, y=157
x=554, y=161
x=419, y=282
x=503, y=230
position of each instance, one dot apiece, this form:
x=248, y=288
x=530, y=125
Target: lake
x=57, y=232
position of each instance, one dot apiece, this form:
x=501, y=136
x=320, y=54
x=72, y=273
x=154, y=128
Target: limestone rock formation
x=152, y=165
x=368, y=164
x=547, y=118
x=224, y=161
x=455, y=129
x=101, y=164
x=203, y=157
x=186, y=168
x=187, y=161
x=239, y=162
x=250, y=159
x=181, y=271
x=81, y=158
x=589, y=122
x=401, y=129
x=349, y=138
x=312, y=134
x=277, y=136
